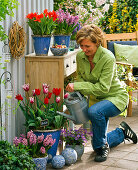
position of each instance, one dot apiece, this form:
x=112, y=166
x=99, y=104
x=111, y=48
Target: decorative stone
x=70, y=156
x=58, y=161
x=79, y=149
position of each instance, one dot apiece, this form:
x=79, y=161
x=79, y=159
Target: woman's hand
x=70, y=87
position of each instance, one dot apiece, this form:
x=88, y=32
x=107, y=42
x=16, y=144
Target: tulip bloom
x=57, y=99
x=56, y=91
x=37, y=91
x=66, y=95
x=26, y=87
x=45, y=90
x=19, y=97
x=31, y=100
x=46, y=100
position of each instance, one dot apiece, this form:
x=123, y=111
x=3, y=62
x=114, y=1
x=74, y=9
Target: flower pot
x=55, y=135
x=40, y=163
x=62, y=39
x=41, y=44
x=78, y=148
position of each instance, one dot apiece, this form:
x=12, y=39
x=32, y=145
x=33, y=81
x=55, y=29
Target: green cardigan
x=102, y=81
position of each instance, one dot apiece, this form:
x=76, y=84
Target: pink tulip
x=31, y=100
x=33, y=91
x=57, y=99
x=45, y=90
x=66, y=95
x=26, y=87
x=45, y=85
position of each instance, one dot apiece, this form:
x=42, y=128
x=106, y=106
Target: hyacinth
x=37, y=108
x=36, y=146
x=75, y=137
x=66, y=23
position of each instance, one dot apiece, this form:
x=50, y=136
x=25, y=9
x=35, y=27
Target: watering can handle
x=79, y=95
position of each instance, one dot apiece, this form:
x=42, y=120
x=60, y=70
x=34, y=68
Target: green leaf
x=58, y=120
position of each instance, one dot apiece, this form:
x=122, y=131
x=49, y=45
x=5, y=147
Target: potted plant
x=41, y=116
x=37, y=147
x=76, y=139
x=66, y=23
x=42, y=26
x=12, y=157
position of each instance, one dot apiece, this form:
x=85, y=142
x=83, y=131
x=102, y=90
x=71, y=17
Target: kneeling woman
x=97, y=77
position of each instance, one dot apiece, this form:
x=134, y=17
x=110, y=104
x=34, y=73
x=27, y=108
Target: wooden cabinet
x=49, y=69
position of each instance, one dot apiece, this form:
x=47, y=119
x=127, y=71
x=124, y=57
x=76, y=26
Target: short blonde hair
x=91, y=32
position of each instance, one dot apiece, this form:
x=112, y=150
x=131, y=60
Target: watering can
x=77, y=105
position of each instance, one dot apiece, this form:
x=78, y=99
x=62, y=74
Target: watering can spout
x=66, y=115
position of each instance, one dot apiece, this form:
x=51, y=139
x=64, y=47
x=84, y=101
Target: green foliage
x=12, y=158
x=6, y=8
x=121, y=17
x=124, y=73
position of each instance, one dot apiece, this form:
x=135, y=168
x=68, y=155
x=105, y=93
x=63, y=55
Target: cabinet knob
x=67, y=65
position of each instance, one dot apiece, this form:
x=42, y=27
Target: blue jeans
x=99, y=114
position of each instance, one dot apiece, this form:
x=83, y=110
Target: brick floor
x=122, y=157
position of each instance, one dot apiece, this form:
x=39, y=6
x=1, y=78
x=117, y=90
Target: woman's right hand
x=70, y=87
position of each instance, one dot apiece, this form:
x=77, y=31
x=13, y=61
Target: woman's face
x=88, y=47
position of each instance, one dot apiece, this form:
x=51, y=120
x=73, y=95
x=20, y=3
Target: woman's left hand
x=70, y=87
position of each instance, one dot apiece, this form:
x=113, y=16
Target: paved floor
x=122, y=157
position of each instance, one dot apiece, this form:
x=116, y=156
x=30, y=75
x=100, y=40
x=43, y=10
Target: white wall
x=12, y=124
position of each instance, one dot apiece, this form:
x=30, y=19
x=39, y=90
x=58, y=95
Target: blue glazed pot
x=40, y=163
x=62, y=39
x=55, y=135
x=41, y=44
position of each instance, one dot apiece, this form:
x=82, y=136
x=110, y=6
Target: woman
x=97, y=78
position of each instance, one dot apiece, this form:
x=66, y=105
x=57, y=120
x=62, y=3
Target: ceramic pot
x=55, y=135
x=40, y=163
x=62, y=39
x=41, y=44
x=78, y=148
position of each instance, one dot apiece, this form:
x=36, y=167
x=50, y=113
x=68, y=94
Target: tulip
x=57, y=99
x=31, y=100
x=26, y=87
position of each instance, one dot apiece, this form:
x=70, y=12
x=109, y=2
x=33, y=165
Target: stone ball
x=70, y=156
x=58, y=161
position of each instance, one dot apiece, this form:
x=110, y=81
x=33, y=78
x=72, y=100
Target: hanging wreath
x=17, y=40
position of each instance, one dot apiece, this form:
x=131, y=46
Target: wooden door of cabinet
x=49, y=69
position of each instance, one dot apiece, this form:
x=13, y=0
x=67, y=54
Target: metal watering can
x=78, y=108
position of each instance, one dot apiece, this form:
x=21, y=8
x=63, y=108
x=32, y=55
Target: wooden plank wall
x=11, y=124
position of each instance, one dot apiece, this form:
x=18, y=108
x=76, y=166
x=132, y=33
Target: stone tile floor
x=122, y=157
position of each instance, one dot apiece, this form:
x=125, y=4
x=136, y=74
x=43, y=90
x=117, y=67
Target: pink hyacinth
x=16, y=141
x=33, y=139
x=47, y=141
x=45, y=90
x=26, y=87
x=57, y=99
x=66, y=95
x=29, y=134
x=42, y=150
x=31, y=99
x=40, y=138
x=24, y=141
